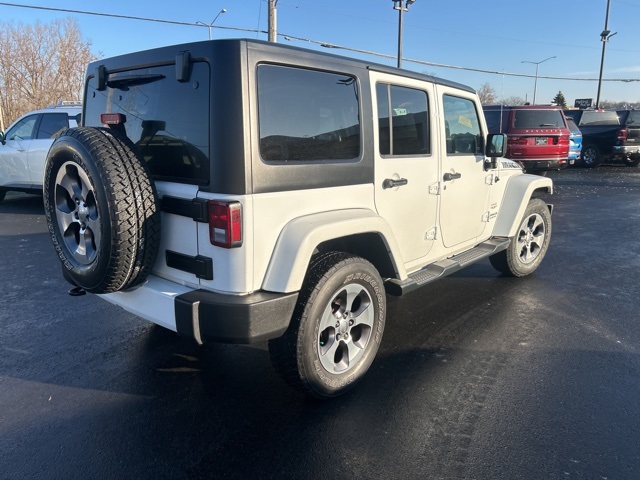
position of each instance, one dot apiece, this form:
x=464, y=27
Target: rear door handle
x=391, y=183
x=451, y=176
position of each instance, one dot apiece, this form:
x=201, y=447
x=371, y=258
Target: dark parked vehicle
x=605, y=137
x=630, y=147
x=537, y=135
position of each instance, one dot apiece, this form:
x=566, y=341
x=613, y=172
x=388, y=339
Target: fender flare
x=516, y=198
x=300, y=237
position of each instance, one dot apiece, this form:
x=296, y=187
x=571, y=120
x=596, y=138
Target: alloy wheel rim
x=77, y=213
x=530, y=239
x=346, y=328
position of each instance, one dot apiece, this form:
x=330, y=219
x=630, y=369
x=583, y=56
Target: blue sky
x=495, y=35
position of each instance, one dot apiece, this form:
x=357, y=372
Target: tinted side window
x=167, y=120
x=307, y=115
x=538, y=119
x=52, y=124
x=462, y=127
x=403, y=120
x=23, y=130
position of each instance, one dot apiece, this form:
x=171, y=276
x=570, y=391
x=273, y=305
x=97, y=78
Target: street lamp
x=401, y=6
x=605, y=35
x=535, y=85
x=224, y=10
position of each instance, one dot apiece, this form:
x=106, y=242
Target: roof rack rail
x=67, y=103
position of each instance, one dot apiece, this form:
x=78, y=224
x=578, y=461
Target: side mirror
x=495, y=148
x=2, y=138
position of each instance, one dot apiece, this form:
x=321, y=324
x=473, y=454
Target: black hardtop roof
x=166, y=54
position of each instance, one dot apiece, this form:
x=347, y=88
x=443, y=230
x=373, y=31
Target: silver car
x=24, y=146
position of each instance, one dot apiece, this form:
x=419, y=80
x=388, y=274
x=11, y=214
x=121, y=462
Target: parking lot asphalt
x=479, y=375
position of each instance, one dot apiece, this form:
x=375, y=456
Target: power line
x=324, y=44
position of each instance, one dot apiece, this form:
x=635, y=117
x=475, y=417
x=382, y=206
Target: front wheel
x=530, y=244
x=336, y=328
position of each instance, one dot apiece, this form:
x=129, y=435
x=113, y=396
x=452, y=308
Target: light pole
x=401, y=6
x=535, y=85
x=604, y=38
x=224, y=10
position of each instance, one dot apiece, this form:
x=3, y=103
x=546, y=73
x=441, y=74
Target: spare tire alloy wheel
x=337, y=327
x=102, y=210
x=529, y=246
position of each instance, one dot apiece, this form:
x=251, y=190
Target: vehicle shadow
x=22, y=204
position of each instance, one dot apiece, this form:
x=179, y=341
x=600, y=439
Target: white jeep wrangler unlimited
x=241, y=191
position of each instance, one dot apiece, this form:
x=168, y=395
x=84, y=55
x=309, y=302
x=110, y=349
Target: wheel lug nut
x=337, y=324
x=338, y=336
x=351, y=322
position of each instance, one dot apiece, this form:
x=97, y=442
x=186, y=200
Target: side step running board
x=445, y=267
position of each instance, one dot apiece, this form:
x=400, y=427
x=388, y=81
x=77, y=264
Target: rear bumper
x=626, y=151
x=543, y=164
x=208, y=316
x=213, y=317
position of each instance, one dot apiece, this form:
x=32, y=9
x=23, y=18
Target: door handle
x=451, y=176
x=391, y=183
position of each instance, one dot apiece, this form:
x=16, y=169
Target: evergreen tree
x=560, y=101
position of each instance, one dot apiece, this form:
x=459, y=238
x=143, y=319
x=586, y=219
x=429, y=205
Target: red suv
x=537, y=135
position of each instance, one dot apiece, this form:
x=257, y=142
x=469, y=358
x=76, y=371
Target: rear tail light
x=225, y=223
x=112, y=118
x=563, y=140
x=622, y=134
x=518, y=140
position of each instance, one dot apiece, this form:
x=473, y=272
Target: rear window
x=634, y=118
x=168, y=120
x=538, y=119
x=599, y=118
x=307, y=115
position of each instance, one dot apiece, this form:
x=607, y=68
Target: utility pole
x=402, y=6
x=604, y=37
x=273, y=21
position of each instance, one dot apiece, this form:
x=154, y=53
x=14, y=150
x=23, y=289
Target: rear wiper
x=127, y=81
x=548, y=125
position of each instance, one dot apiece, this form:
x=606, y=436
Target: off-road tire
x=315, y=357
x=529, y=246
x=102, y=210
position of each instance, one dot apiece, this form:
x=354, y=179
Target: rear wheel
x=529, y=246
x=632, y=160
x=591, y=156
x=336, y=328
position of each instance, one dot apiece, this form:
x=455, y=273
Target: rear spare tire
x=101, y=209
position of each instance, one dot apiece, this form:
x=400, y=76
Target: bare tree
x=515, y=100
x=487, y=94
x=40, y=65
